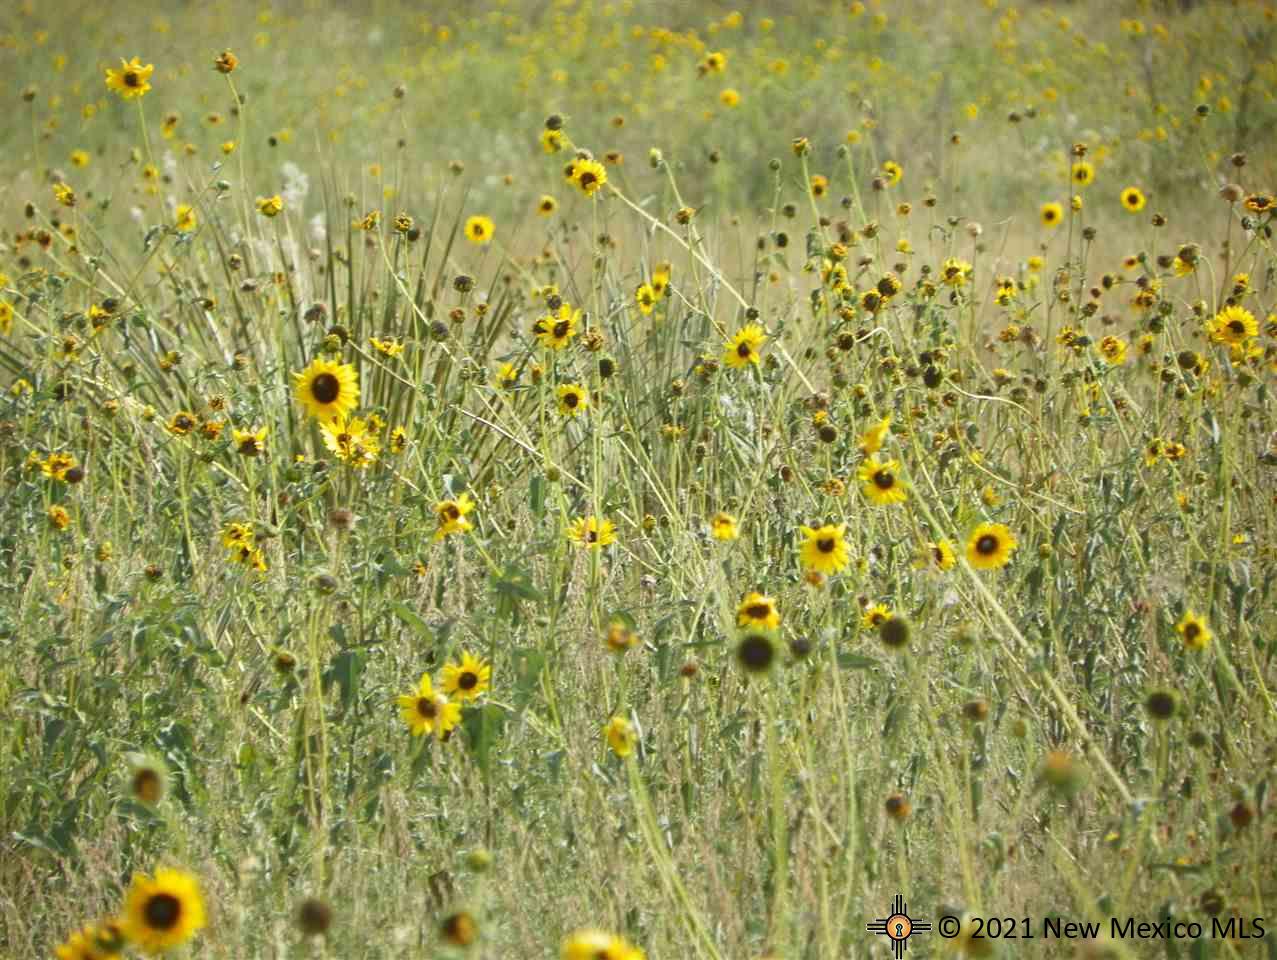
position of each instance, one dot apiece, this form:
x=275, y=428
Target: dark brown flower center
x=571, y=400
x=884, y=480
x=561, y=329
x=451, y=512
x=162, y=911
x=588, y=178
x=743, y=350
x=987, y=544
x=1237, y=327
x=325, y=388
x=758, y=611
x=426, y=707
x=1191, y=630
x=467, y=681
x=132, y=78
x=756, y=653
x=592, y=537
x=826, y=544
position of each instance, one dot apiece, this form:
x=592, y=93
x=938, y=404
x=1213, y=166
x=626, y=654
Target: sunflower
x=6, y=317
x=249, y=443
x=1133, y=199
x=871, y=440
x=507, y=375
x=270, y=206
x=742, y=349
x=56, y=466
x=756, y=652
x=389, y=347
x=131, y=80
x=468, y=679
x=460, y=928
x=451, y=515
x=1260, y=202
x=557, y=328
x=588, y=175
x=1113, y=349
x=645, y=297
x=547, y=205
x=759, y=611
x=592, y=532
x=620, y=736
x=1051, y=214
x=551, y=141
x=989, y=546
x=182, y=423
x=955, y=272
x=91, y=943
x=723, y=526
x=875, y=616
x=185, y=218
x=479, y=229
x=938, y=555
x=880, y=481
x=661, y=279
x=351, y=441
x=1083, y=173
x=327, y=389
x=592, y=944
x=729, y=97
x=162, y=912
x=573, y=398
x=824, y=549
x=1234, y=325
x=1196, y=634
x=892, y=173
x=427, y=711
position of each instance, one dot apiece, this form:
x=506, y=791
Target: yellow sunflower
x=351, y=441
x=1197, y=635
x=452, y=517
x=757, y=610
x=824, y=549
x=468, y=679
x=131, y=80
x=91, y=943
x=592, y=532
x=880, y=481
x=479, y=229
x=1051, y=214
x=427, y=711
x=1133, y=199
x=557, y=328
x=573, y=398
x=937, y=555
x=723, y=526
x=588, y=175
x=742, y=349
x=1083, y=173
x=592, y=944
x=989, y=546
x=327, y=389
x=645, y=297
x=871, y=440
x=162, y=912
x=250, y=443
x=1234, y=325
x=621, y=737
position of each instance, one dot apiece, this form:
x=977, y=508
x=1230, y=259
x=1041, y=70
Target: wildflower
x=756, y=652
x=621, y=737
x=351, y=441
x=225, y=62
x=757, y=610
x=1051, y=214
x=591, y=532
x=824, y=549
x=182, y=423
x=1260, y=202
x=131, y=80
x=955, y=272
x=162, y=912
x=451, y=515
x=588, y=175
x=715, y=62
x=390, y=347
x=250, y=443
x=56, y=466
x=892, y=173
x=742, y=349
x=551, y=140
x=1194, y=631
x=871, y=440
x=573, y=399
x=59, y=519
x=660, y=279
x=148, y=779
x=591, y=944
x=427, y=711
x=880, y=482
x=547, y=205
x=80, y=158
x=468, y=679
x=729, y=97
x=507, y=375
x=1113, y=349
x=1133, y=199
x=270, y=206
x=90, y=943
x=459, y=929
x=63, y=193
x=479, y=229
x=989, y=546
x=875, y=616
x=557, y=328
x=327, y=389
x=936, y=555
x=1233, y=325
x=645, y=297
x=620, y=637
x=1083, y=173
x=185, y=218
x=723, y=527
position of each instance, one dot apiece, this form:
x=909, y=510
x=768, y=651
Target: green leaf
x=413, y=621
x=856, y=661
x=514, y=583
x=483, y=727
x=345, y=669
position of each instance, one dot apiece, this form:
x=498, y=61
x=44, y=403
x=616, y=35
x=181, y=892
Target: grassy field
x=603, y=480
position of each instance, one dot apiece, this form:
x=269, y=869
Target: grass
x=208, y=627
